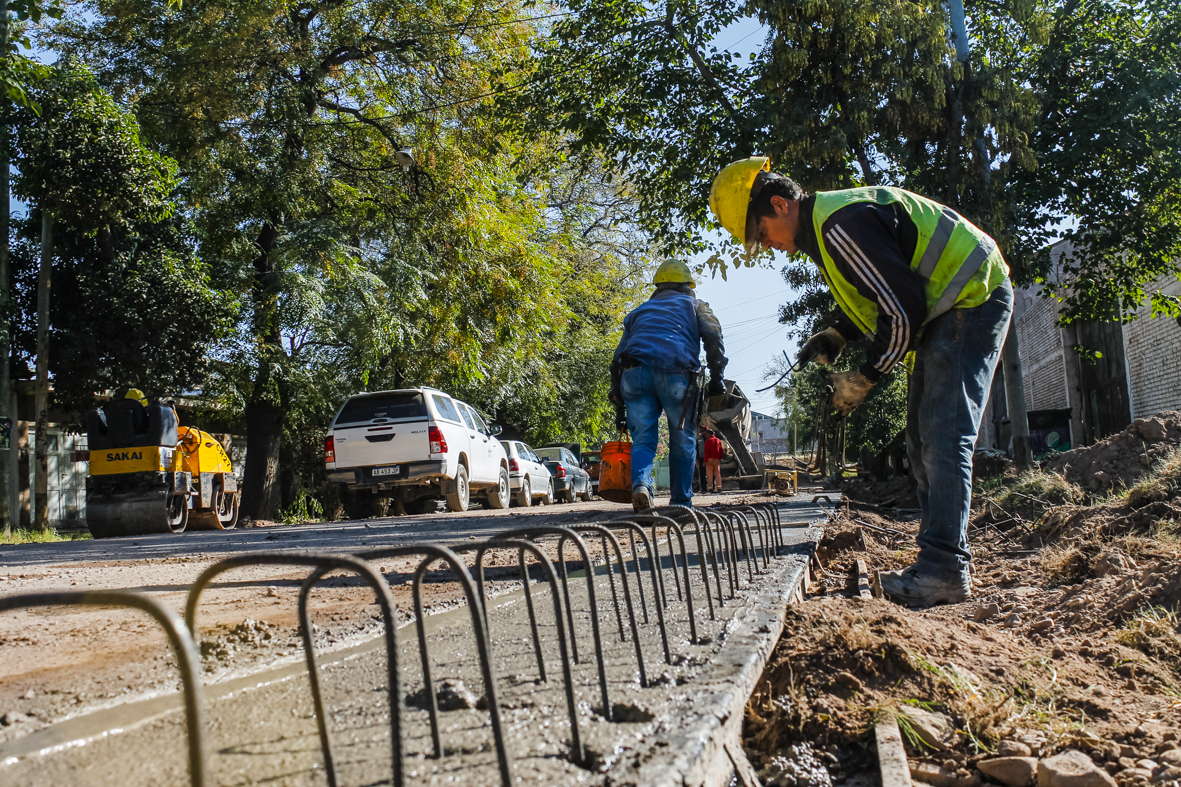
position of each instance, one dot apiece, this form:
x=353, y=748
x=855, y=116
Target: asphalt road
x=333, y=537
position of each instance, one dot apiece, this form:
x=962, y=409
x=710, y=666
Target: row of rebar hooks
x=726, y=539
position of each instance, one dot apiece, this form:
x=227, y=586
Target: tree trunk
x=1015, y=398
x=954, y=140
x=260, y=482
x=7, y=492
x=867, y=174
x=41, y=480
x=266, y=407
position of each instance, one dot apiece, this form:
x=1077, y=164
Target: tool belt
x=628, y=361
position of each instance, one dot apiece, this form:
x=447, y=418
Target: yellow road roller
x=149, y=475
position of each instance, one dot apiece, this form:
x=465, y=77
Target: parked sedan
x=591, y=462
x=528, y=476
x=570, y=480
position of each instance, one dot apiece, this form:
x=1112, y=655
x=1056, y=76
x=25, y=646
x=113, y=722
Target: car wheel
x=548, y=498
x=498, y=496
x=459, y=499
x=568, y=495
x=586, y=496
x=525, y=496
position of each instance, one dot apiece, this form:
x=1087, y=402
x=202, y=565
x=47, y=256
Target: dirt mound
x=1122, y=459
x=841, y=661
x=895, y=492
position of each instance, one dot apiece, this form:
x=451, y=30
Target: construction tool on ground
x=150, y=475
x=782, y=482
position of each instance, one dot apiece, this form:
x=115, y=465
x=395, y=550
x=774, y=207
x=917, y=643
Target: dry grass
x=1029, y=496
x=1163, y=483
x=1065, y=564
x=1154, y=632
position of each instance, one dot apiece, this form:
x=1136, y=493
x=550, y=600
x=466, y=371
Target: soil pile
x=897, y=492
x=980, y=687
x=1072, y=641
x=1122, y=459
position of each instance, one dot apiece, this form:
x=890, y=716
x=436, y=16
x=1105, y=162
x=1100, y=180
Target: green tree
x=84, y=169
x=1109, y=151
x=131, y=306
x=354, y=273
x=16, y=72
x=285, y=120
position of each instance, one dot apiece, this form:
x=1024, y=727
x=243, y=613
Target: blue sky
x=747, y=301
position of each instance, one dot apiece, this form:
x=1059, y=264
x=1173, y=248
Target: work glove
x=621, y=417
x=717, y=387
x=849, y=389
x=823, y=348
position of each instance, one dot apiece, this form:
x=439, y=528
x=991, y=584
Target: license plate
x=392, y=470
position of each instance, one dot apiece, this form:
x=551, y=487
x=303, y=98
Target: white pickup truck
x=413, y=447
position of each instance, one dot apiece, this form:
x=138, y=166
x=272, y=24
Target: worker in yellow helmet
x=911, y=275
x=655, y=370
x=137, y=395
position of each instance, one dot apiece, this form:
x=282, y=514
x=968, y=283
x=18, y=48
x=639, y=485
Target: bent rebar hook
x=321, y=564
x=188, y=659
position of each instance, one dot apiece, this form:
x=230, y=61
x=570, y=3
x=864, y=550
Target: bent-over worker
x=655, y=370
x=912, y=275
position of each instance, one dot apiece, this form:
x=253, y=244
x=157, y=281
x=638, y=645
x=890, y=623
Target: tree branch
x=359, y=115
x=702, y=66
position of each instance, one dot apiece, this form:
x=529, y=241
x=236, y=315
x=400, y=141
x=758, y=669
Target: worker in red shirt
x=713, y=462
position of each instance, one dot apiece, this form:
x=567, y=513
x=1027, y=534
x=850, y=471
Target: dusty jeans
x=648, y=393
x=954, y=364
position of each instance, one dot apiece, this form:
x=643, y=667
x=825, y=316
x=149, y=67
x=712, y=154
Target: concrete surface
x=261, y=727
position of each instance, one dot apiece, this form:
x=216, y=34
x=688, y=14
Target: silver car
x=528, y=478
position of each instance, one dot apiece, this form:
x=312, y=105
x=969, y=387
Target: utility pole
x=1010, y=357
x=41, y=475
x=1015, y=398
x=8, y=515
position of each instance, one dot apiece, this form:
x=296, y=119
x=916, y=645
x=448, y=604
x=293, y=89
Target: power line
x=756, y=341
x=752, y=300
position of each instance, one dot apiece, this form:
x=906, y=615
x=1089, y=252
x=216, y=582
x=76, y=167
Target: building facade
x=1131, y=370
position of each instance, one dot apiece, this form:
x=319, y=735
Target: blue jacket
x=667, y=331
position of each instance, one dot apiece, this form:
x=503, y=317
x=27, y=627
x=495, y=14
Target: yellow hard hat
x=674, y=271
x=137, y=395
x=730, y=197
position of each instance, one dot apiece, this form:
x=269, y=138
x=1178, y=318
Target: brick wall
x=1153, y=348
x=1042, y=362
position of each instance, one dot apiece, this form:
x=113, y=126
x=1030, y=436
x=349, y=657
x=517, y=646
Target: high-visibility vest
x=960, y=263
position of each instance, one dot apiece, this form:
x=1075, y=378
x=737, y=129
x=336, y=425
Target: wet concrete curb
x=699, y=752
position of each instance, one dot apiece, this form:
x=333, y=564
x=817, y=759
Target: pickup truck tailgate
x=381, y=444
x=382, y=429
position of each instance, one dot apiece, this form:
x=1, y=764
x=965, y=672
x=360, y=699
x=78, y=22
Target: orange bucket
x=615, y=472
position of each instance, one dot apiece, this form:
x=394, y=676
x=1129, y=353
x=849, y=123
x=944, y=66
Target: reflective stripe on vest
x=959, y=262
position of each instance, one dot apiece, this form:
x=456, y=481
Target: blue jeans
x=954, y=364
x=647, y=392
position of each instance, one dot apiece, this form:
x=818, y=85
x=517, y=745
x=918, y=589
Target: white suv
x=414, y=446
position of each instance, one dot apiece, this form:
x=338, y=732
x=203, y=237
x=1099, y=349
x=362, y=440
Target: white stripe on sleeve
x=859, y=261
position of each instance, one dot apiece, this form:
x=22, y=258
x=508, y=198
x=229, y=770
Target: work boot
x=912, y=587
x=641, y=499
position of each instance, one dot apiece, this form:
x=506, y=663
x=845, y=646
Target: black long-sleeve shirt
x=872, y=246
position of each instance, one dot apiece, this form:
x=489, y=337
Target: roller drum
x=134, y=511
